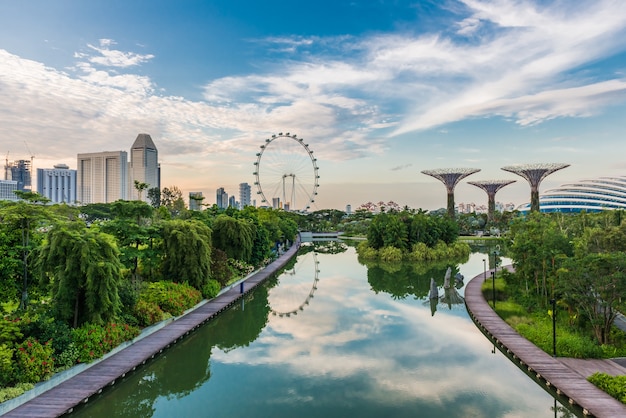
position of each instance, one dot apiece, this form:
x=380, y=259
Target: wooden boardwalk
x=62, y=398
x=564, y=377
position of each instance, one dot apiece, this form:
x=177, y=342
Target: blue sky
x=380, y=90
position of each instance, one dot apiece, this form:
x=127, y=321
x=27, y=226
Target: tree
x=172, y=199
x=140, y=187
x=132, y=227
x=233, y=236
x=84, y=270
x=26, y=216
x=594, y=285
x=187, y=252
x=154, y=195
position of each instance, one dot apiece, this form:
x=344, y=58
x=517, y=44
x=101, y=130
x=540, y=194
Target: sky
x=380, y=90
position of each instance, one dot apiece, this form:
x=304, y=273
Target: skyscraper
x=7, y=190
x=244, y=194
x=144, y=166
x=195, y=200
x=57, y=184
x=221, y=198
x=102, y=177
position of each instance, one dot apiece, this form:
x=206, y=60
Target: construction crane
x=32, y=166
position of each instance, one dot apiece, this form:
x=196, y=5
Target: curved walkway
x=62, y=398
x=564, y=377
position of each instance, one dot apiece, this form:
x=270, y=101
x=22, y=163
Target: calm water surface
x=362, y=343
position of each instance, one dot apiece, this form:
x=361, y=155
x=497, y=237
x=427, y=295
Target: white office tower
x=101, y=177
x=144, y=167
x=57, y=184
x=244, y=194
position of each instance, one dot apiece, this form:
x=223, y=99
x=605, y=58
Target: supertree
x=450, y=177
x=491, y=187
x=534, y=174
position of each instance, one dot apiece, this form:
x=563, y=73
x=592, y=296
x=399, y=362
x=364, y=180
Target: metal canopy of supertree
x=491, y=187
x=450, y=177
x=534, y=174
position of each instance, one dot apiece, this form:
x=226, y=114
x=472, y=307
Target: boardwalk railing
x=557, y=377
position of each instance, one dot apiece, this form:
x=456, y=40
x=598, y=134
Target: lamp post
x=493, y=275
x=493, y=282
x=553, y=302
x=484, y=270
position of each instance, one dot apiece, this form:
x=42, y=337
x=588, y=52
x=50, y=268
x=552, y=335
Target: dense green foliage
x=91, y=274
x=576, y=259
x=411, y=236
x=613, y=385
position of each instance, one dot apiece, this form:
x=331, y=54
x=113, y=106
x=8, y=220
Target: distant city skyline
x=381, y=91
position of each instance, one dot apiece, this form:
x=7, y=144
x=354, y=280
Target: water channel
x=330, y=337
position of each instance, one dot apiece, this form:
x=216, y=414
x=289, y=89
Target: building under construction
x=19, y=171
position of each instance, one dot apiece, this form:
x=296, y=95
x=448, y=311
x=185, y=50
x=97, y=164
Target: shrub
x=613, y=385
x=14, y=392
x=93, y=341
x=33, y=361
x=6, y=365
x=390, y=254
x=148, y=313
x=67, y=358
x=171, y=297
x=211, y=289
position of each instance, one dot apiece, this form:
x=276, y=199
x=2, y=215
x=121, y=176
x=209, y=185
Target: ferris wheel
x=286, y=173
x=295, y=291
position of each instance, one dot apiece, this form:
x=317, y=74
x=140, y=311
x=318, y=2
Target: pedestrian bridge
x=319, y=236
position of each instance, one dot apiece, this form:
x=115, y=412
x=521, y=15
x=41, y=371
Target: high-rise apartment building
x=102, y=177
x=144, y=166
x=195, y=200
x=221, y=198
x=244, y=194
x=57, y=184
x=232, y=202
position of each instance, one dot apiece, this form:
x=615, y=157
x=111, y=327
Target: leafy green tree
x=83, y=268
x=154, y=195
x=27, y=216
x=140, y=187
x=187, y=252
x=536, y=246
x=233, y=236
x=172, y=199
x=594, y=285
x=132, y=226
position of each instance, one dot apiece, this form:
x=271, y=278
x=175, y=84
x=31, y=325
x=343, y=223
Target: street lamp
x=484, y=270
x=553, y=302
x=493, y=281
x=493, y=275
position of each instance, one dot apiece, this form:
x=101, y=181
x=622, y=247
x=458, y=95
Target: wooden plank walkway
x=565, y=377
x=62, y=398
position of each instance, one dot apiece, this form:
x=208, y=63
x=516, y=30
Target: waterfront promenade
x=565, y=377
x=64, y=397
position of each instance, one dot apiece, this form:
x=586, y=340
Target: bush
x=33, y=361
x=211, y=289
x=14, y=392
x=613, y=385
x=6, y=365
x=148, y=313
x=171, y=297
x=93, y=341
x=67, y=358
x=390, y=254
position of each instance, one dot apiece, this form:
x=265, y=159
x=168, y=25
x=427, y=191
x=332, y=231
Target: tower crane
x=32, y=166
